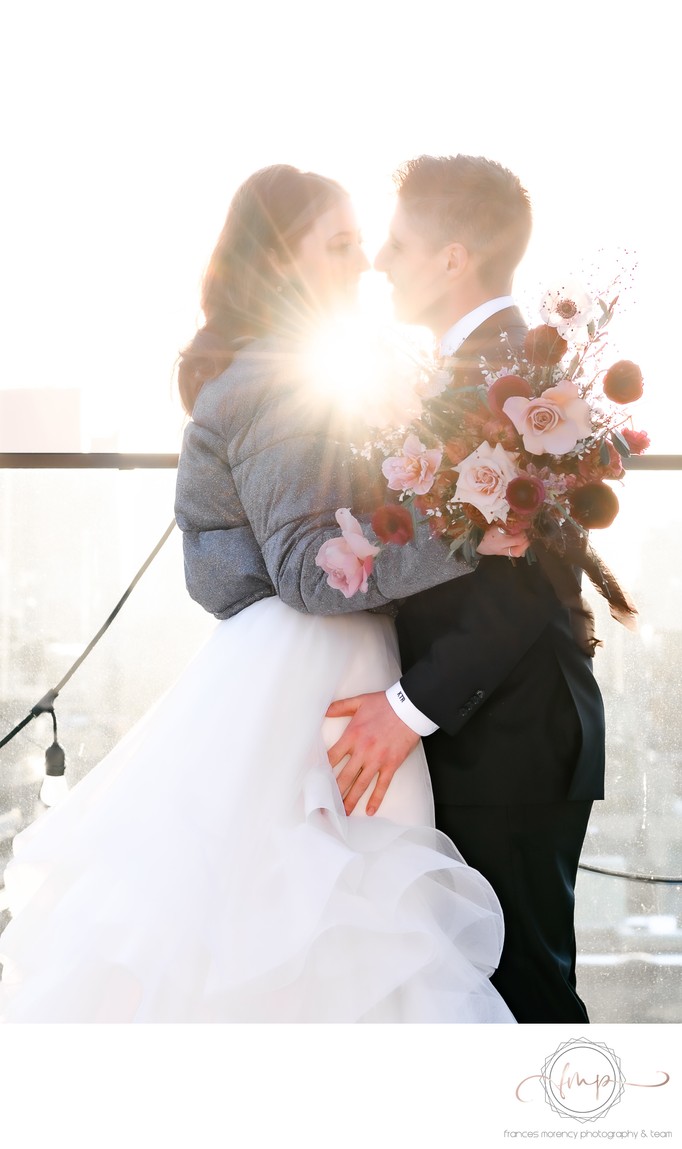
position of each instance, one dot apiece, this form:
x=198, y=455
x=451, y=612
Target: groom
x=506, y=701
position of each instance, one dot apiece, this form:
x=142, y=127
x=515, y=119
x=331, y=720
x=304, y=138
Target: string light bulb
x=54, y=786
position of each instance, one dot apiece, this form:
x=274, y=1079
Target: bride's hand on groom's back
x=506, y=544
x=375, y=741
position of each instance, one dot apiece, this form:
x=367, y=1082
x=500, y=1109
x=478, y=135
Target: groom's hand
x=375, y=741
x=500, y=541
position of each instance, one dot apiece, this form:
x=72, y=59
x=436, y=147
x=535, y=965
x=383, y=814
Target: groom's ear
x=458, y=259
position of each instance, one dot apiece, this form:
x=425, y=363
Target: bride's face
x=330, y=259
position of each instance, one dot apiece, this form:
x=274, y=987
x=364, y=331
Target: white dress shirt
x=449, y=345
x=454, y=337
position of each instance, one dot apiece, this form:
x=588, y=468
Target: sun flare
x=371, y=372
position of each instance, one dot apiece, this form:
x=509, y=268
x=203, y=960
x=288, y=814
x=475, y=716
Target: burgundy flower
x=525, y=495
x=637, y=441
x=594, y=505
x=544, y=347
x=503, y=388
x=623, y=382
x=393, y=524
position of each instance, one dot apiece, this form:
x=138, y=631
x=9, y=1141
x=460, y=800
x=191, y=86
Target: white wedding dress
x=205, y=870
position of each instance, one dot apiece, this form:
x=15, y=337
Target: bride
x=206, y=870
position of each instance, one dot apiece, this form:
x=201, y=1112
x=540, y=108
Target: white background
x=372, y=1087
x=126, y=127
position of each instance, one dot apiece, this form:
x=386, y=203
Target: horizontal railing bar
x=130, y=461
x=85, y=460
x=653, y=463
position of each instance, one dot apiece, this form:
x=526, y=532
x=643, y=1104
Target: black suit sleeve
x=505, y=609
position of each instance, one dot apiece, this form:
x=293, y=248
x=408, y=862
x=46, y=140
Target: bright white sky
x=127, y=126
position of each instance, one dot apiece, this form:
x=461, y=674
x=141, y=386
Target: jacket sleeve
x=291, y=472
x=505, y=611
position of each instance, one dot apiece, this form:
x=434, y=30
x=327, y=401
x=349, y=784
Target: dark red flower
x=637, y=441
x=623, y=382
x=525, y=495
x=393, y=524
x=594, y=505
x=503, y=388
x=544, y=347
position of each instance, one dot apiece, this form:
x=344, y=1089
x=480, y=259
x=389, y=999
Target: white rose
x=483, y=478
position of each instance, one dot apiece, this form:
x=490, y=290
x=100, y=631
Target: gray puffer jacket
x=264, y=466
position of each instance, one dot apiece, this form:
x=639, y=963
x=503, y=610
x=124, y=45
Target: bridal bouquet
x=532, y=446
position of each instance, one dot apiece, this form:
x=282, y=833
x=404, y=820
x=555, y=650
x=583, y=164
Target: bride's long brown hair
x=242, y=294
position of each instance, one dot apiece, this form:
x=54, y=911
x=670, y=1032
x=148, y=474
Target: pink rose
x=553, y=422
x=483, y=479
x=348, y=561
x=637, y=441
x=414, y=469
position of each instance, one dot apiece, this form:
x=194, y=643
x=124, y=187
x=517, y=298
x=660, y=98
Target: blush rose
x=348, y=561
x=414, y=469
x=554, y=422
x=483, y=479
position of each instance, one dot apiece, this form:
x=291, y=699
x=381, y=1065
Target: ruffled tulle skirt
x=205, y=870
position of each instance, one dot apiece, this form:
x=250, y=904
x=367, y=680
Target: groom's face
x=417, y=270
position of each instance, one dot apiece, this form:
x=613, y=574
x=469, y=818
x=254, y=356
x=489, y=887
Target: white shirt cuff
x=409, y=714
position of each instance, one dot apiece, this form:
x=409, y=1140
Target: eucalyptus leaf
x=620, y=444
x=456, y=545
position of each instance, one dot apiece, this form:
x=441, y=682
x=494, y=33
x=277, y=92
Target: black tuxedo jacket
x=490, y=657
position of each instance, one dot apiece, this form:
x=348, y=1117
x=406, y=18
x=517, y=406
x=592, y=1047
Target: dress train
x=205, y=870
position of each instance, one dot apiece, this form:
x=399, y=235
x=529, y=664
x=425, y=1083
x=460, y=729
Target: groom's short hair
x=472, y=200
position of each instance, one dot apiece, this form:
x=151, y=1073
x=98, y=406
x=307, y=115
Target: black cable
x=631, y=877
x=46, y=703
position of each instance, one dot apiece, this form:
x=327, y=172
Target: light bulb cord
x=46, y=703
